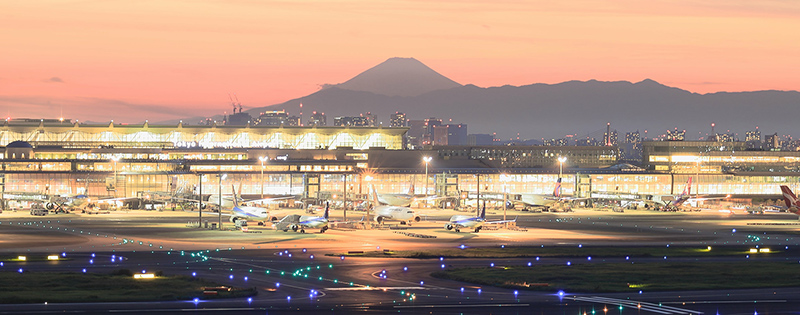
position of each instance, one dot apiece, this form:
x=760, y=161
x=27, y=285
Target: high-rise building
x=753, y=135
x=371, y=119
x=456, y=134
x=317, y=119
x=398, y=119
x=753, y=139
x=430, y=123
x=675, y=135
x=726, y=137
x=351, y=121
x=787, y=143
x=772, y=142
x=277, y=118
x=632, y=148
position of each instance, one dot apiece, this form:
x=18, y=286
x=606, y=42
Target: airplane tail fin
x=235, y=197
x=374, y=196
x=687, y=191
x=327, y=208
x=557, y=190
x=788, y=197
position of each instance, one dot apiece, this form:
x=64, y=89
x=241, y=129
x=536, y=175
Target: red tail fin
x=687, y=191
x=788, y=197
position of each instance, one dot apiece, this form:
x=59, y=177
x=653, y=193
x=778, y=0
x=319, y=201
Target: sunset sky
x=164, y=59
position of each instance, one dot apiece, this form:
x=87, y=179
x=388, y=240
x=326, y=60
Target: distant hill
x=548, y=110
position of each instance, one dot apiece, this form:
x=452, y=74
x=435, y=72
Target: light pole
x=561, y=161
x=262, y=159
x=344, y=194
x=221, y=177
x=115, y=159
x=200, y=204
x=427, y=160
x=504, y=179
x=697, y=177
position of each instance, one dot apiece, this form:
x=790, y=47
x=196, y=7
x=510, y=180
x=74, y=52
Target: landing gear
x=458, y=230
x=477, y=229
x=323, y=229
x=303, y=231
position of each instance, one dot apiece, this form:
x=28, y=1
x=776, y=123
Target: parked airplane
x=542, y=200
x=239, y=212
x=394, y=213
x=301, y=222
x=457, y=222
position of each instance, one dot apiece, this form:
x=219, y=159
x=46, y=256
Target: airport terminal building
x=57, y=158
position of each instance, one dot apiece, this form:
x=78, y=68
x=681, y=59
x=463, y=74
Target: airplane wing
x=269, y=199
x=500, y=221
x=105, y=200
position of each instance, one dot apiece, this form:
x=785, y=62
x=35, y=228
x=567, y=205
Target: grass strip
x=632, y=277
x=120, y=286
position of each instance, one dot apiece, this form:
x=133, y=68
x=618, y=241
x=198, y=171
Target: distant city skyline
x=131, y=61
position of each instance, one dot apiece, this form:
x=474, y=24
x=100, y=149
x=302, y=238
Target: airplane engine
x=448, y=227
x=294, y=227
x=49, y=205
x=233, y=219
x=417, y=219
x=379, y=219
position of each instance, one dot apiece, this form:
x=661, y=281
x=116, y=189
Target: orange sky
x=163, y=59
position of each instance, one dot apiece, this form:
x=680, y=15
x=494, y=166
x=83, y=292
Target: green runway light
x=335, y=281
x=330, y=266
x=320, y=278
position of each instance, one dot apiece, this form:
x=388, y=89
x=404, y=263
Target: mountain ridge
x=542, y=110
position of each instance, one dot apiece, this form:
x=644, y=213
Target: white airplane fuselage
x=395, y=213
x=464, y=221
x=249, y=213
x=537, y=200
